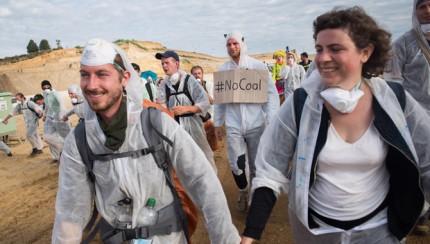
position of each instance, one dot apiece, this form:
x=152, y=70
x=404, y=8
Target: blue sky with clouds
x=189, y=25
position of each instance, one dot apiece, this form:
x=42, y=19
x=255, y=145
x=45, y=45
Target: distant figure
x=244, y=122
x=293, y=74
x=278, y=66
x=55, y=130
x=77, y=99
x=39, y=100
x=32, y=112
x=306, y=62
x=197, y=72
x=150, y=90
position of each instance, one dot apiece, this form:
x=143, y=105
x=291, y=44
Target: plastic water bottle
x=148, y=215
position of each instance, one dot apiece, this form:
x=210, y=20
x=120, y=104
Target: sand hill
x=61, y=67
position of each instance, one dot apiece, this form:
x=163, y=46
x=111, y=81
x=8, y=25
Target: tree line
x=43, y=46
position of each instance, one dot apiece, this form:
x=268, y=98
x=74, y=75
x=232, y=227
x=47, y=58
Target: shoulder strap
x=400, y=93
x=84, y=149
x=167, y=89
x=300, y=96
x=422, y=45
x=148, y=88
x=184, y=91
x=153, y=136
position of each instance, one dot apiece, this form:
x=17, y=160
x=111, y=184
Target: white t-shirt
x=352, y=179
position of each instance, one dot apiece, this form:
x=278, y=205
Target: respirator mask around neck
x=342, y=100
x=174, y=79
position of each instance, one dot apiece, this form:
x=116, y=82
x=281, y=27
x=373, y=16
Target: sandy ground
x=28, y=188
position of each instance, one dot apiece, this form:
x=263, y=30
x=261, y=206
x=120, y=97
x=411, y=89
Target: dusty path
x=28, y=187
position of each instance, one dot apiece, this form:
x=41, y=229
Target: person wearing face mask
x=410, y=66
x=77, y=99
x=349, y=149
x=293, y=74
x=184, y=95
x=32, y=112
x=55, y=130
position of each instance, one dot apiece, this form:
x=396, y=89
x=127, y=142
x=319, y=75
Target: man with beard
x=245, y=122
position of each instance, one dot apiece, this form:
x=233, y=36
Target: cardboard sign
x=241, y=86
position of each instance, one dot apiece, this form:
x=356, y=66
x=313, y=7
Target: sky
x=187, y=25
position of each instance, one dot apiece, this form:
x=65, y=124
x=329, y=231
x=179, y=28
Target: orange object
x=210, y=135
x=188, y=206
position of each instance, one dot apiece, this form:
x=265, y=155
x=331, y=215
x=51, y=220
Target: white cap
x=98, y=52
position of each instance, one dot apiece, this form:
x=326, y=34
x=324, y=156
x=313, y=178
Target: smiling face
x=170, y=65
x=338, y=60
x=102, y=87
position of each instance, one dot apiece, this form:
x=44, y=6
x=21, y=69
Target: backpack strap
x=148, y=88
x=400, y=93
x=300, y=96
x=86, y=153
x=153, y=136
x=184, y=91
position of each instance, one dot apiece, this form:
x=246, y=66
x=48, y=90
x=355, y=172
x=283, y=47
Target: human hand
x=246, y=240
x=44, y=118
x=180, y=110
x=5, y=121
x=218, y=133
x=65, y=118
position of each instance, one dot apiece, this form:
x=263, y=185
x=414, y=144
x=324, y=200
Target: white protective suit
x=4, y=147
x=192, y=124
x=78, y=108
x=293, y=76
x=31, y=122
x=280, y=149
x=245, y=121
x=136, y=178
x=55, y=130
x=409, y=66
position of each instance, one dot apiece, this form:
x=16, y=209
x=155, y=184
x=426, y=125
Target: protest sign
x=241, y=86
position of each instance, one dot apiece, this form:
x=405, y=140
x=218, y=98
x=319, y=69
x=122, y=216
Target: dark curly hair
x=363, y=31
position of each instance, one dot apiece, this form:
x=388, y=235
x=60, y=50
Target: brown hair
x=363, y=30
x=196, y=67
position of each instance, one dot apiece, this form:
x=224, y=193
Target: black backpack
x=151, y=127
x=187, y=93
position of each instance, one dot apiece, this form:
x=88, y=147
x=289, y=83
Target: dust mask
x=47, y=91
x=174, y=78
x=199, y=80
x=74, y=100
x=342, y=100
x=425, y=28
